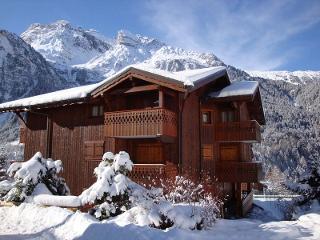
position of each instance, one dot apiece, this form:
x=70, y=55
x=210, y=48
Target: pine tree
x=110, y=193
x=25, y=176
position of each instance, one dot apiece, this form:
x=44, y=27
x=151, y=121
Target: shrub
x=181, y=203
x=27, y=175
x=110, y=193
x=203, y=196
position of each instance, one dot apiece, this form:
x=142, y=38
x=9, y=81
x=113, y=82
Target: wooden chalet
x=167, y=122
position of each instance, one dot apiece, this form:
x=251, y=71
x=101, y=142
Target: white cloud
x=246, y=34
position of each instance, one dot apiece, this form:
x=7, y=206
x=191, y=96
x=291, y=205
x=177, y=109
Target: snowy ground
x=29, y=221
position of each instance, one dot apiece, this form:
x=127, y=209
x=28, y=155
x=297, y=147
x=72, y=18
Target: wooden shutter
x=207, y=151
x=229, y=153
x=93, y=150
x=148, y=153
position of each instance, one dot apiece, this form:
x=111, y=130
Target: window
x=228, y=116
x=97, y=111
x=206, y=117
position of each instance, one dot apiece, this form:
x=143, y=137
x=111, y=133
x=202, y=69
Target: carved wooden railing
x=247, y=203
x=244, y=131
x=148, y=122
x=246, y=172
x=152, y=173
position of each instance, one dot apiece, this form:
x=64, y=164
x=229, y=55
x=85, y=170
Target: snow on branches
x=114, y=194
x=27, y=175
x=110, y=193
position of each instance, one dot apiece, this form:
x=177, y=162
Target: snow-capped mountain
x=63, y=44
x=295, y=77
x=87, y=56
x=78, y=56
x=23, y=71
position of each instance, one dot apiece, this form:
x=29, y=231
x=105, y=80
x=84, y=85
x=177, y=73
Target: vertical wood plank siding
x=35, y=135
x=69, y=137
x=71, y=128
x=191, y=134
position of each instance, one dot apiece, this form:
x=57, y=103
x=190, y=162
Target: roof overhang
x=246, y=91
x=44, y=105
x=184, y=81
x=141, y=74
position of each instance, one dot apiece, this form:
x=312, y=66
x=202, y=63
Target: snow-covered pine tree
x=114, y=193
x=27, y=175
x=110, y=193
x=308, y=185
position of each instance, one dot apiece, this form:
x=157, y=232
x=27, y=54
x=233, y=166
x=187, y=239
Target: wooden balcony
x=245, y=172
x=244, y=131
x=150, y=174
x=141, y=123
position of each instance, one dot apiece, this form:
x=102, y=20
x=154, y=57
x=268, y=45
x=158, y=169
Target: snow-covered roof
x=189, y=79
x=242, y=88
x=57, y=96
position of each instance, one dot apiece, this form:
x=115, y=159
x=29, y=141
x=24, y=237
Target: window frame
x=99, y=110
x=228, y=116
x=210, y=114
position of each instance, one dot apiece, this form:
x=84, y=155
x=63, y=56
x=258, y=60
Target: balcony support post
x=161, y=98
x=238, y=200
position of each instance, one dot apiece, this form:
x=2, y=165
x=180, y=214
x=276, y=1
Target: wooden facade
x=165, y=129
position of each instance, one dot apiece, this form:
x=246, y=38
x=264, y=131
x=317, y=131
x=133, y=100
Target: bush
x=184, y=204
x=110, y=193
x=27, y=175
x=203, y=196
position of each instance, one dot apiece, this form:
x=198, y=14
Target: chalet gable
x=183, y=81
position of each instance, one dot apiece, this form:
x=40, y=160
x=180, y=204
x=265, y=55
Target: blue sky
x=252, y=35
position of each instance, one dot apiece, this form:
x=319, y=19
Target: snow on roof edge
x=190, y=78
x=240, y=88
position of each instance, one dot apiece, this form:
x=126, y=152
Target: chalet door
x=148, y=153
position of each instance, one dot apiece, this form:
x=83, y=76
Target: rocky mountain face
x=75, y=56
x=23, y=72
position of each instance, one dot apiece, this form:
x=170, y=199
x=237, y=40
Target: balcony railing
x=244, y=131
x=148, y=122
x=246, y=172
x=152, y=173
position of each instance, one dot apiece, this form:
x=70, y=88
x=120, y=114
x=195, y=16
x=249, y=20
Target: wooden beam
x=161, y=98
x=143, y=75
x=144, y=88
x=49, y=137
x=21, y=118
